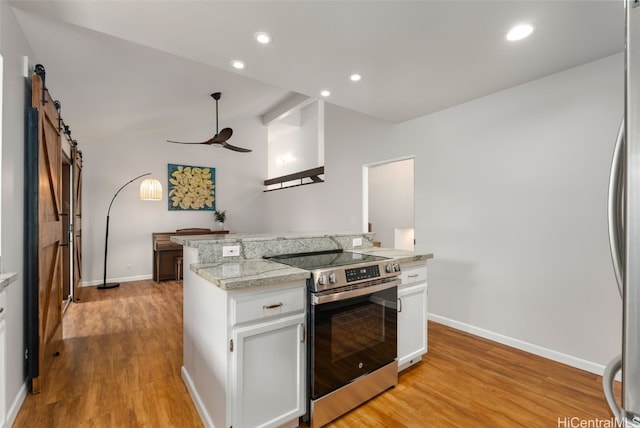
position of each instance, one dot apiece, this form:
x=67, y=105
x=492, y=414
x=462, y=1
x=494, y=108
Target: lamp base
x=109, y=285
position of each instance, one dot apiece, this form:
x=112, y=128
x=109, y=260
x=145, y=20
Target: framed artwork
x=191, y=188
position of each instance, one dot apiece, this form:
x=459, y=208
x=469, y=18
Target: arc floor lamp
x=150, y=190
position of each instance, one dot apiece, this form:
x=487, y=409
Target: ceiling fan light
x=150, y=190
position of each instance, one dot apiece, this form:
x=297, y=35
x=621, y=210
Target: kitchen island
x=245, y=324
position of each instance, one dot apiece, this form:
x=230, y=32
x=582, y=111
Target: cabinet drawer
x=3, y=304
x=259, y=305
x=413, y=274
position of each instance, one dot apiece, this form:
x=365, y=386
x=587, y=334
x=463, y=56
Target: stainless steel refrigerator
x=624, y=231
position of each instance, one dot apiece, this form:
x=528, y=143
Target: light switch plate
x=231, y=251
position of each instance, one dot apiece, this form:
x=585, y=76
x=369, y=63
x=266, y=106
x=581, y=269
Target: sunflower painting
x=192, y=188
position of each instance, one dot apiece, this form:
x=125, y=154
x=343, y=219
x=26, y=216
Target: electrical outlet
x=231, y=250
x=357, y=242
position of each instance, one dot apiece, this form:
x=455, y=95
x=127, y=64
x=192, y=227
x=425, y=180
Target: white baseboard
x=123, y=279
x=522, y=345
x=12, y=412
x=195, y=397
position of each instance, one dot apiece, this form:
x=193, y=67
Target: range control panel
x=360, y=273
x=335, y=277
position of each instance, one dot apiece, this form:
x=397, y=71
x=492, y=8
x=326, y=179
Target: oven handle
x=327, y=298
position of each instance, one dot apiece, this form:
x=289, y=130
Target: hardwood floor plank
x=465, y=380
x=120, y=365
x=122, y=353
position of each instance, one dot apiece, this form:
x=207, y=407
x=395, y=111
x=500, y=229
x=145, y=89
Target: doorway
x=388, y=206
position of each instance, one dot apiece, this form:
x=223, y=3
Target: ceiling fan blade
x=235, y=148
x=182, y=142
x=224, y=135
x=221, y=137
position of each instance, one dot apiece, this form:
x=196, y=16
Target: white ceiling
x=124, y=66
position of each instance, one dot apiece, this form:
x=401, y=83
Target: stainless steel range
x=352, y=354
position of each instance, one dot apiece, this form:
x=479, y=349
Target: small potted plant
x=220, y=217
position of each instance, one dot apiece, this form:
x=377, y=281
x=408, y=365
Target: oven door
x=351, y=335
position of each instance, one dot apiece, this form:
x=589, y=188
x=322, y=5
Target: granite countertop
x=203, y=240
x=243, y=273
x=248, y=273
x=403, y=256
x=6, y=279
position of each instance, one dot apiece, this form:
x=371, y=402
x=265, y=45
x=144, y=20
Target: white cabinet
x=3, y=377
x=269, y=372
x=412, y=315
x=245, y=352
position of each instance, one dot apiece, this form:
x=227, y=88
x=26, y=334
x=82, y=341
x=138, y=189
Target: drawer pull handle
x=303, y=336
x=399, y=304
x=413, y=275
x=276, y=305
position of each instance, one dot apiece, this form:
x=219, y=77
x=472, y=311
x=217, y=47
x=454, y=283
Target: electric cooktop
x=324, y=259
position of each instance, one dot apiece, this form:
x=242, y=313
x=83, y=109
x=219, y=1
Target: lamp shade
x=150, y=190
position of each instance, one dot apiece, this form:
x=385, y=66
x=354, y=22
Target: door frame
x=365, y=189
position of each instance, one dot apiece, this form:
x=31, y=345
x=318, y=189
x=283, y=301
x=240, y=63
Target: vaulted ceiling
x=124, y=66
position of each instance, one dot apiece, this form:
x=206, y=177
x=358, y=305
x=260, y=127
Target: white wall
x=294, y=141
x=13, y=47
x=110, y=164
x=513, y=202
x=510, y=194
x=390, y=199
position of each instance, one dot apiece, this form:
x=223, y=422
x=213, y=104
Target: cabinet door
x=269, y=373
x=3, y=377
x=412, y=324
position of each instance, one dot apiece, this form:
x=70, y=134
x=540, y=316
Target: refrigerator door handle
x=608, y=378
x=616, y=207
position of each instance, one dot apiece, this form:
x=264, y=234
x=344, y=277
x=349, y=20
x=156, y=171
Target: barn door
x=77, y=222
x=44, y=233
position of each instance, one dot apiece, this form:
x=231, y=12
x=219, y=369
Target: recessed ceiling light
x=237, y=64
x=519, y=32
x=325, y=93
x=263, y=38
x=355, y=77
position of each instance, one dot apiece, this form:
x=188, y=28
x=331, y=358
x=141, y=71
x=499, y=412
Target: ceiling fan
x=221, y=137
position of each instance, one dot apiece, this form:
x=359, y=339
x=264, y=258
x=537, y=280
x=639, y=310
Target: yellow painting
x=192, y=188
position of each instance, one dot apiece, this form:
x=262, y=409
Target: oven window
x=364, y=329
x=350, y=338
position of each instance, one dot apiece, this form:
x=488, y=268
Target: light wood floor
x=120, y=367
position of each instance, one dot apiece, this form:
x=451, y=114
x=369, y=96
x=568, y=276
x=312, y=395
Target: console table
x=166, y=252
